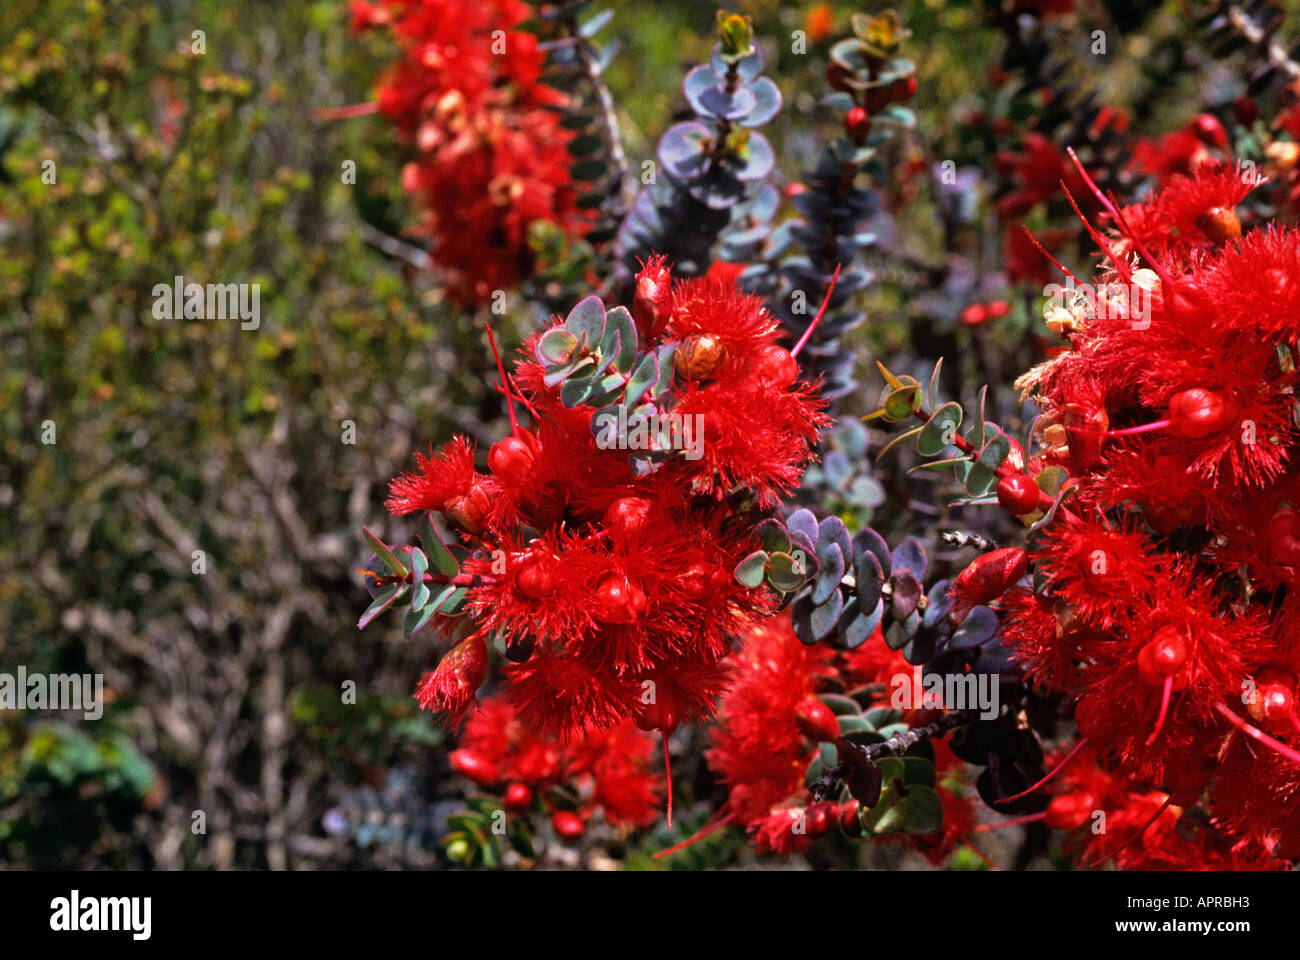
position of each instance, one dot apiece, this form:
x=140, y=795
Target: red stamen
x=1043, y=251
x=817, y=319
x=712, y=825
x=505, y=384
x=1255, y=733
x=980, y=853
x=1057, y=769
x=1110, y=207
x=343, y=113
x=668, y=775
x=1164, y=710
x=1145, y=827
x=1014, y=822
x=1121, y=268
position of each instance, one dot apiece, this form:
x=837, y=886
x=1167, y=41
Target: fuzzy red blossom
x=492, y=157
x=611, y=771
x=1166, y=602
x=764, y=740
x=606, y=583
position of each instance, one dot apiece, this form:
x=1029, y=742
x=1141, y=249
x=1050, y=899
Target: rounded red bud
x=776, y=366
x=819, y=819
x=1210, y=131
x=472, y=766
x=1220, y=224
x=519, y=797
x=1244, y=110
x=1274, y=703
x=470, y=510
x=1197, y=412
x=567, y=824
x=1070, y=810
x=990, y=575
x=849, y=819
x=1018, y=494
x=1162, y=657
x=857, y=124
x=974, y=315
x=699, y=357
x=1280, y=538
x=511, y=460
x=816, y=721
x=998, y=309
x=618, y=600
x=535, y=578
x=663, y=713
x=626, y=516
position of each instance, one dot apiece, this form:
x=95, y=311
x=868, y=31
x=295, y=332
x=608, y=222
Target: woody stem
x=894, y=745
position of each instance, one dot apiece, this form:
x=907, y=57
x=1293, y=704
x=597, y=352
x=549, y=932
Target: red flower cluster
x=492, y=158
x=1169, y=607
x=611, y=771
x=608, y=583
x=771, y=725
x=1140, y=829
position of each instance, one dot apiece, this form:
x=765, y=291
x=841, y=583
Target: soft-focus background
x=172, y=437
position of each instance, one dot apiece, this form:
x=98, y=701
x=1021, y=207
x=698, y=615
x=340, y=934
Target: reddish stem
x=505, y=384
x=1055, y=770
x=711, y=826
x=1255, y=733
x=1014, y=822
x=817, y=319
x=344, y=113
x=1164, y=710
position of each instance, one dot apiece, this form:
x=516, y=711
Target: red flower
x=492, y=160
x=610, y=584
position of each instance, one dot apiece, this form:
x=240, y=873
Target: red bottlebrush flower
x=609, y=580
x=611, y=771
x=450, y=689
x=492, y=160
x=438, y=479
x=1157, y=608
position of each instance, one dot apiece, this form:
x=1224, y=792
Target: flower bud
x=819, y=819
x=651, y=300
x=535, y=578
x=470, y=510
x=1220, y=224
x=1162, y=657
x=1280, y=538
x=472, y=766
x=976, y=314
x=1210, y=131
x=857, y=124
x=816, y=721
x=618, y=600
x=699, y=357
x=511, y=460
x=990, y=575
x=776, y=366
x=518, y=798
x=567, y=824
x=663, y=712
x=1273, y=705
x=1197, y=412
x=626, y=516
x=1018, y=494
